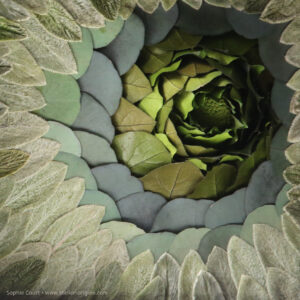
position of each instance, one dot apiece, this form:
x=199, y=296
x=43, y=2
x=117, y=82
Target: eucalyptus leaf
x=109, y=9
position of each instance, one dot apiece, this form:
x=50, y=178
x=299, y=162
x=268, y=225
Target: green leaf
x=223, y=59
x=250, y=289
x=213, y=140
x=173, y=180
x=219, y=3
x=172, y=84
x=35, y=6
x=6, y=188
x=127, y=7
x=168, y=4
x=198, y=163
x=164, y=139
x=136, y=85
x=193, y=67
x=11, y=30
x=167, y=269
x=179, y=40
x=194, y=84
x=152, y=103
x=293, y=55
x=20, y=128
x=196, y=4
x=276, y=11
x=13, y=11
x=254, y=6
x=293, y=83
x=11, y=161
x=153, y=59
x=293, y=135
x=292, y=174
x=290, y=34
x=141, y=151
x=148, y=6
x=215, y=183
x=155, y=289
x=291, y=231
x=109, y=9
x=59, y=22
x=130, y=118
x=163, y=115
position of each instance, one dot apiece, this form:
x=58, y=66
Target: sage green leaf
x=11, y=30
x=168, y=4
x=290, y=34
x=243, y=260
x=215, y=183
x=292, y=174
x=12, y=235
x=136, y=276
x=206, y=287
x=281, y=285
x=218, y=265
x=73, y=226
x=148, y=6
x=292, y=55
x=152, y=104
x=59, y=271
x=116, y=252
x=91, y=247
x=4, y=214
x=277, y=11
x=11, y=259
x=21, y=274
x=105, y=35
x=84, y=279
x=155, y=289
x=163, y=115
x=220, y=3
x=25, y=70
x=293, y=83
x=11, y=161
x=184, y=103
x=168, y=269
x=13, y=11
x=250, y=289
x=293, y=194
x=84, y=13
x=59, y=22
x=127, y=7
x=173, y=180
x=64, y=199
x=20, y=128
x=255, y=6
x=41, y=151
x=132, y=148
x=109, y=9
x=152, y=59
x=50, y=53
x=179, y=40
x=6, y=187
x=190, y=268
x=40, y=250
x=196, y=4
x=291, y=231
x=194, y=84
x=165, y=140
x=275, y=252
x=21, y=98
x=62, y=96
x=135, y=84
x=293, y=135
x=3, y=109
x=282, y=198
x=36, y=6
x=295, y=104
x=171, y=132
x=31, y=191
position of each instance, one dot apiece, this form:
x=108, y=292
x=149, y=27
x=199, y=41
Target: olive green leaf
x=277, y=11
x=172, y=84
x=36, y=6
x=282, y=256
x=293, y=55
x=148, y=6
x=11, y=161
x=84, y=279
x=21, y=274
x=243, y=260
x=167, y=269
x=20, y=128
x=290, y=34
x=194, y=84
x=127, y=7
x=152, y=103
x=173, y=180
x=281, y=285
x=13, y=11
x=59, y=271
x=59, y=22
x=73, y=226
x=25, y=70
x=294, y=82
x=165, y=140
x=152, y=59
x=109, y=9
x=63, y=200
x=6, y=188
x=198, y=163
x=194, y=67
x=220, y=3
x=222, y=58
x=42, y=185
x=84, y=13
x=168, y=4
x=179, y=40
x=196, y=4
x=206, y=287
x=155, y=289
x=250, y=289
x=190, y=268
x=254, y=6
x=21, y=98
x=218, y=265
x=141, y=151
x=295, y=104
x=291, y=231
x=130, y=118
x=136, y=276
x=51, y=54
x=292, y=174
x=293, y=135
x=215, y=183
x=163, y=115
x=136, y=85
x=38, y=249
x=11, y=30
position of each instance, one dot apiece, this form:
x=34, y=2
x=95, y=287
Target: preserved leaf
x=11, y=30
x=109, y=9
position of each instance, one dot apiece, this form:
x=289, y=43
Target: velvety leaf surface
x=282, y=199
x=6, y=186
x=250, y=289
x=127, y=7
x=291, y=174
x=180, y=214
x=291, y=231
x=13, y=11
x=293, y=83
x=293, y=135
x=125, y=49
x=11, y=30
x=141, y=208
x=154, y=289
x=33, y=5
x=102, y=81
x=292, y=153
x=108, y=9
x=292, y=56
x=116, y=181
x=148, y=6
